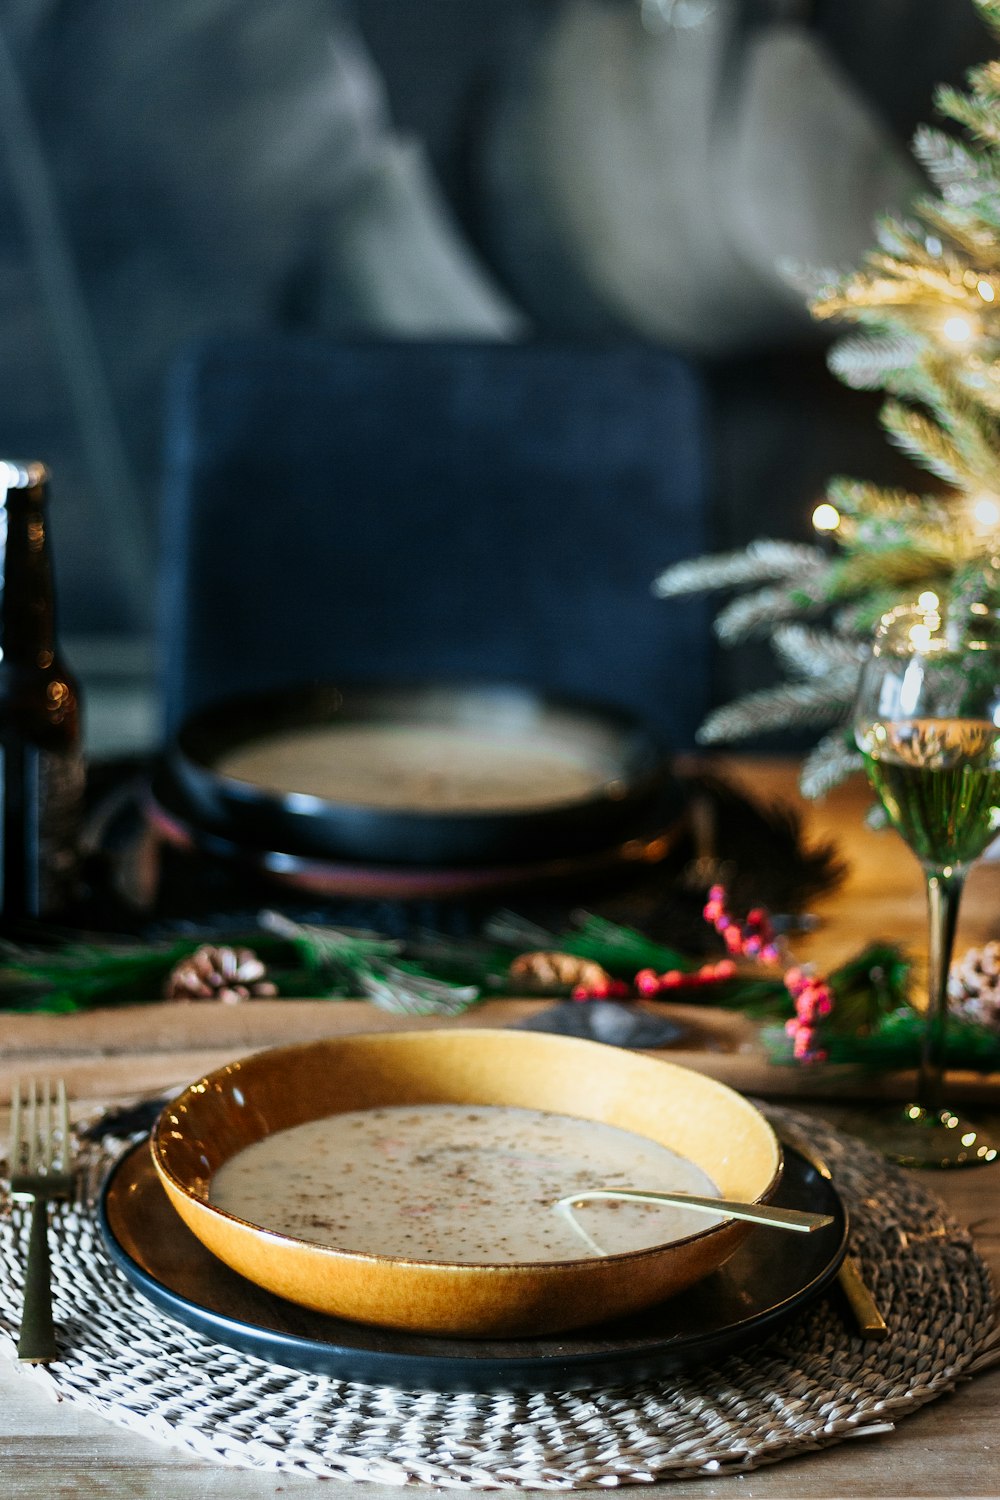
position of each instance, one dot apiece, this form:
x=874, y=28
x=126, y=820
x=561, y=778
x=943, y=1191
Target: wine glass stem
x=944, y=893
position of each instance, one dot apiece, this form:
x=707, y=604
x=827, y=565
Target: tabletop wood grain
x=950, y=1448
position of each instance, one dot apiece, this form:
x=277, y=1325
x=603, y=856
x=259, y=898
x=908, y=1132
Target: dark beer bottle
x=41, y=761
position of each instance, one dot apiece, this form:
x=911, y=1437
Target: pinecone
x=226, y=974
x=557, y=971
x=974, y=985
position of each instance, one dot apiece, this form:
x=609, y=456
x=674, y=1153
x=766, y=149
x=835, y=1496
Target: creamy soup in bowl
x=310, y=1116
x=460, y=1183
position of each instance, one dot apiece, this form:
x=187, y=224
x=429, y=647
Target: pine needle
x=829, y=763
x=803, y=703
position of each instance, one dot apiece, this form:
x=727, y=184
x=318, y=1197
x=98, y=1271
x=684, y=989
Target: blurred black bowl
x=559, y=778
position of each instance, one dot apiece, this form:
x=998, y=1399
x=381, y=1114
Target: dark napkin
x=606, y=1021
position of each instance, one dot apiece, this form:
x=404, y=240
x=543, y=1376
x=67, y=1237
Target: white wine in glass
x=927, y=723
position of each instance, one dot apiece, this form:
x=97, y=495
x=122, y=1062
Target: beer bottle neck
x=27, y=606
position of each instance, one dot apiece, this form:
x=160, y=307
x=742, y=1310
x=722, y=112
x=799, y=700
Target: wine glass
x=926, y=722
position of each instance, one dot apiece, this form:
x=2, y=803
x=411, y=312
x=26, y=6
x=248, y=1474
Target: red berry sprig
x=753, y=938
x=650, y=984
x=602, y=989
x=813, y=999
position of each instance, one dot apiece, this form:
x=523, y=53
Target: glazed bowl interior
x=250, y=1099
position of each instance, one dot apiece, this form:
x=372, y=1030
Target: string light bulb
x=826, y=517
x=957, y=330
x=986, y=512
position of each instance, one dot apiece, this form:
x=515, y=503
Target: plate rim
x=425, y=1369
x=382, y=879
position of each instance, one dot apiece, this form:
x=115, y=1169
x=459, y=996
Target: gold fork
x=41, y=1171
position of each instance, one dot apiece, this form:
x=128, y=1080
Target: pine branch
x=894, y=514
x=950, y=164
x=859, y=617
x=904, y=568
x=904, y=240
x=810, y=281
x=919, y=273
x=756, y=613
x=979, y=379
x=989, y=14
x=967, y=183
x=968, y=111
x=874, y=519
x=829, y=763
x=621, y=950
x=872, y=361
x=923, y=439
x=760, y=562
x=806, y=704
x=893, y=1043
x=973, y=426
x=405, y=989
x=818, y=653
x=972, y=229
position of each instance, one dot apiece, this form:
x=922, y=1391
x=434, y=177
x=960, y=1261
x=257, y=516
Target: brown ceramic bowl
x=249, y=1099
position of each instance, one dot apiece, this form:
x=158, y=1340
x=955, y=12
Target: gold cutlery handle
x=37, y=1343
x=871, y=1324
x=796, y=1219
x=857, y=1294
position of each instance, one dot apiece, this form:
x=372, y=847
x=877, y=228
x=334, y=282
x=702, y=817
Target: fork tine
x=31, y=1134
x=41, y=1137
x=65, y=1140
x=14, y=1154
x=47, y=1136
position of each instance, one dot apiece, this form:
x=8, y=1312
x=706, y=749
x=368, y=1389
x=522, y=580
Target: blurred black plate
x=622, y=771
x=771, y=1276
x=408, y=882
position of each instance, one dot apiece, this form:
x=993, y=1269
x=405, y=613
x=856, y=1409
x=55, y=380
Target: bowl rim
x=494, y=1268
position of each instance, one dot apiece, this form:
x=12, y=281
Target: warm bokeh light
x=986, y=291
x=986, y=512
x=826, y=517
x=958, y=330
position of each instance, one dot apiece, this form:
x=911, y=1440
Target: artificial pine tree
x=926, y=303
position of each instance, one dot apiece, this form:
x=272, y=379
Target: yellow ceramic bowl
x=239, y=1104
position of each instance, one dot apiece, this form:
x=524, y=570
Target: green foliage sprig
x=871, y=1024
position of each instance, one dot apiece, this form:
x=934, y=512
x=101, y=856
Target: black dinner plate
x=406, y=882
x=771, y=1276
x=417, y=812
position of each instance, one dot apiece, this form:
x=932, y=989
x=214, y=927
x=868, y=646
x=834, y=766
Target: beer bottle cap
x=21, y=476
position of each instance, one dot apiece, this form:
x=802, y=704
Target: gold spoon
x=757, y=1213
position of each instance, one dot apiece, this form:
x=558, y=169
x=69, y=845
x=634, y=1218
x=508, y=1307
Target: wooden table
x=950, y=1448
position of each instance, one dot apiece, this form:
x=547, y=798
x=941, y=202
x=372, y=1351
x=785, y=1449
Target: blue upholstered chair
x=387, y=511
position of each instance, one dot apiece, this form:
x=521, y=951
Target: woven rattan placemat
x=808, y=1386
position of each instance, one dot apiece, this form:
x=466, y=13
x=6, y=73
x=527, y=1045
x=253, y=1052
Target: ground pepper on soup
x=459, y=1183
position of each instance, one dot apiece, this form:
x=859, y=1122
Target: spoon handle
x=757, y=1213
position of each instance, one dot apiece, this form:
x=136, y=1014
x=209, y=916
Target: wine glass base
x=917, y=1137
